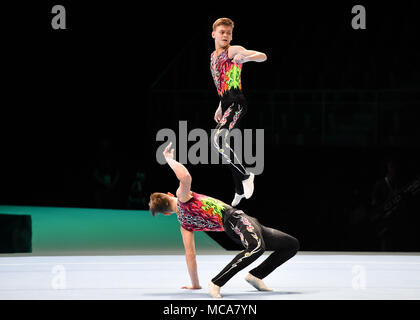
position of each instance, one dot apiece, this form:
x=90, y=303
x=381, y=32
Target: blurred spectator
x=358, y=235
x=387, y=186
x=106, y=177
x=136, y=195
x=391, y=207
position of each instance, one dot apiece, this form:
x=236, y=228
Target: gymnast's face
x=222, y=36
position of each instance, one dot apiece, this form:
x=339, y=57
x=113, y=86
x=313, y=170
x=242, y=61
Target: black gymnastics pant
x=234, y=107
x=256, y=238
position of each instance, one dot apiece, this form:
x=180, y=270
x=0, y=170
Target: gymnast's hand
x=218, y=114
x=239, y=58
x=168, y=154
x=197, y=287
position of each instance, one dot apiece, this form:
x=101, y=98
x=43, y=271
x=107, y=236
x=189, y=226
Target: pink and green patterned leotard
x=226, y=74
x=202, y=213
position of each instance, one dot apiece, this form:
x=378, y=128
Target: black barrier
x=15, y=233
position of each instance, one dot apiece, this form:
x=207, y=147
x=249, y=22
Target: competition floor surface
x=307, y=276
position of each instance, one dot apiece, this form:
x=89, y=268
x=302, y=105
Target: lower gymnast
x=197, y=212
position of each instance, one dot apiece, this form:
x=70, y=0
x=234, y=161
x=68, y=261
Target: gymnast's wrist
x=170, y=161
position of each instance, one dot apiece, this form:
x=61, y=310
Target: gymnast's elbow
x=185, y=178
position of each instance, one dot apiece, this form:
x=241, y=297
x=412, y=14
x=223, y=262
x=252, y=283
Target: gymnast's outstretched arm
x=181, y=173
x=189, y=245
x=241, y=55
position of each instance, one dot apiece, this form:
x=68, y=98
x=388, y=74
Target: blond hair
x=223, y=22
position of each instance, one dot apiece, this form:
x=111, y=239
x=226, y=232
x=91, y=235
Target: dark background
x=335, y=104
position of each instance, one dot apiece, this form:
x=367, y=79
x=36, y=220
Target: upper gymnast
x=226, y=67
